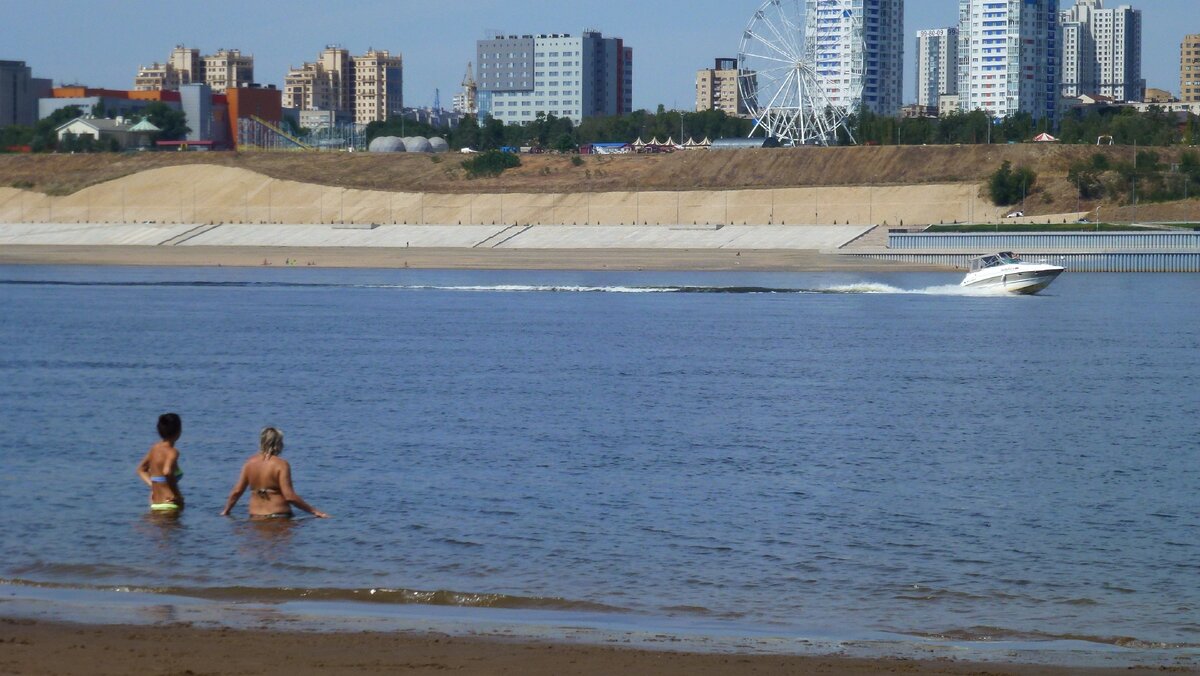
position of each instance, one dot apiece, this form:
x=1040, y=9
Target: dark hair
x=169, y=425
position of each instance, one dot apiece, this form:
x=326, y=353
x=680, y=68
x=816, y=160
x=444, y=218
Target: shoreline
x=52, y=647
x=693, y=260
x=127, y=630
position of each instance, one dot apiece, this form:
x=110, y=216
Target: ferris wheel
x=778, y=76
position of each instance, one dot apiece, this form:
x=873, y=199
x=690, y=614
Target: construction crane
x=470, y=92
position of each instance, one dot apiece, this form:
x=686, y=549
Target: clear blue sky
x=102, y=44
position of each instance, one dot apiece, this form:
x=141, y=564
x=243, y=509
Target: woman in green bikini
x=160, y=468
x=269, y=478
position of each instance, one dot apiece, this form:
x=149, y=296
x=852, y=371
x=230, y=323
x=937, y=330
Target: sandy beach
x=33, y=647
x=448, y=259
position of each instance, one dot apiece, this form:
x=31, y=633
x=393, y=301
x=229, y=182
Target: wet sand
x=450, y=259
x=34, y=647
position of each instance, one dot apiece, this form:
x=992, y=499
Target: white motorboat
x=1007, y=272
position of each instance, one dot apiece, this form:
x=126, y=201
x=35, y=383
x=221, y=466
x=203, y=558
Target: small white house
x=127, y=134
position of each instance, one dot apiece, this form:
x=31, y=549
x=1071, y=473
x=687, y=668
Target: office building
x=717, y=88
x=556, y=74
x=937, y=65
x=19, y=94
x=1189, y=70
x=860, y=52
x=378, y=86
x=324, y=84
x=1102, y=51
x=1008, y=57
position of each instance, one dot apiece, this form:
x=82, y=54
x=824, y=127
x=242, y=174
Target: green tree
x=172, y=123
x=490, y=163
x=1007, y=186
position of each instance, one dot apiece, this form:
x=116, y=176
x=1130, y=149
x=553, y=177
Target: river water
x=854, y=455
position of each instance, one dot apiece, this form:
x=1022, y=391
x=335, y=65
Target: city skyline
x=438, y=42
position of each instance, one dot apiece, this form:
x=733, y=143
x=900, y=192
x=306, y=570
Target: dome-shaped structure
x=419, y=144
x=439, y=145
x=386, y=144
x=408, y=142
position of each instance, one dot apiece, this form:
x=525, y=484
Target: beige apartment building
x=1189, y=70
x=324, y=84
x=717, y=88
x=378, y=86
x=183, y=67
x=226, y=68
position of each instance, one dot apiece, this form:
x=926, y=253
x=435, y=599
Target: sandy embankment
x=34, y=648
x=220, y=194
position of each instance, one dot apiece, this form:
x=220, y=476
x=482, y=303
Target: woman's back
x=265, y=478
x=269, y=478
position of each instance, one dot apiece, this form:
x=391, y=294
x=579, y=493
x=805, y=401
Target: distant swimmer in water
x=269, y=478
x=160, y=468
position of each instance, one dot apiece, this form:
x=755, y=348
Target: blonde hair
x=270, y=442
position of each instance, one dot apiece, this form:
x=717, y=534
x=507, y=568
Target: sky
x=101, y=44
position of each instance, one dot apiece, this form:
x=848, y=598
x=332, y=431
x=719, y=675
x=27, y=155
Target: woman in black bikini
x=269, y=478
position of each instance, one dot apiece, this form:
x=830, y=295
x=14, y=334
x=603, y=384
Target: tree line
x=550, y=132
x=1125, y=126
x=42, y=137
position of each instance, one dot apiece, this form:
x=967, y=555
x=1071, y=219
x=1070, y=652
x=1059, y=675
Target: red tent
x=1044, y=138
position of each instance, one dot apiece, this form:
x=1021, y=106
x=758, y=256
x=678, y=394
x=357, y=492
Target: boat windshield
x=995, y=260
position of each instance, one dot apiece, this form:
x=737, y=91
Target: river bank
x=35, y=647
x=447, y=258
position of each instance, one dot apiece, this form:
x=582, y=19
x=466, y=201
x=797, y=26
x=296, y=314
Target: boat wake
x=858, y=288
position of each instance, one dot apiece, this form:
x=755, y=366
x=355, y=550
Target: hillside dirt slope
x=695, y=170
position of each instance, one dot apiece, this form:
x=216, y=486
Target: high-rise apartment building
x=228, y=69
x=324, y=84
x=1189, y=69
x=556, y=74
x=1102, y=51
x=378, y=86
x=860, y=52
x=19, y=94
x=717, y=88
x=223, y=70
x=1008, y=57
x=183, y=67
x=937, y=65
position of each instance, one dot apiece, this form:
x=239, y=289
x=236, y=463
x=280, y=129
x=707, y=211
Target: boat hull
x=1026, y=282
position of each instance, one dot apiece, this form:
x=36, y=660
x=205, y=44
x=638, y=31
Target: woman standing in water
x=269, y=478
x=160, y=468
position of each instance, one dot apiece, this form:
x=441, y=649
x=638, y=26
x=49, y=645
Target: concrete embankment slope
x=200, y=193
x=627, y=237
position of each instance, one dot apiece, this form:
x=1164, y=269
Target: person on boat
x=269, y=478
x=160, y=468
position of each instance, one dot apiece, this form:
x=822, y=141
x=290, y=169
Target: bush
x=1085, y=177
x=577, y=161
x=1008, y=187
x=491, y=163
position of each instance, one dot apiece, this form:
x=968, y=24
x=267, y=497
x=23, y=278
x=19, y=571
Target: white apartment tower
x=937, y=65
x=859, y=50
x=578, y=77
x=1008, y=57
x=1102, y=51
